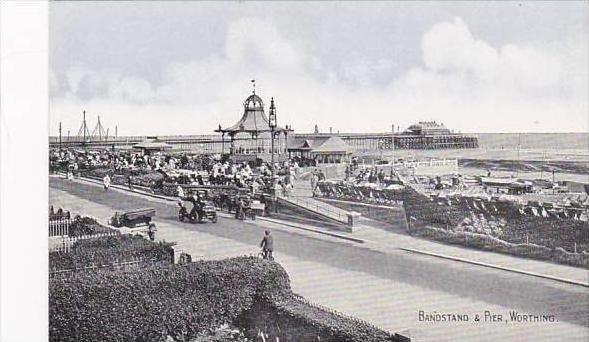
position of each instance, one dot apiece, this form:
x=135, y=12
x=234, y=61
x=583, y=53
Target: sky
x=185, y=67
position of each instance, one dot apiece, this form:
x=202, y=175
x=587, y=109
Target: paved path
x=302, y=196
x=386, y=288
x=387, y=236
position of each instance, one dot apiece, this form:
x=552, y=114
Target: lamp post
x=272, y=124
x=393, y=148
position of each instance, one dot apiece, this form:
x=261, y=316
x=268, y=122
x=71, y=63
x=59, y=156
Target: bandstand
x=255, y=137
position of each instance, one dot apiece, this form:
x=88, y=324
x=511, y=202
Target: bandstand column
x=285, y=142
x=223, y=143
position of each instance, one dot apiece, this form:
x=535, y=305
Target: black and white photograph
x=321, y=171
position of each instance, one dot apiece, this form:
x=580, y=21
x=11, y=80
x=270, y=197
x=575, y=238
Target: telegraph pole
x=60, y=135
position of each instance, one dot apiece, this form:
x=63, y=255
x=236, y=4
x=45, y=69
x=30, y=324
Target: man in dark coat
x=267, y=245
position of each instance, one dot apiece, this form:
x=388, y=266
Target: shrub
x=292, y=319
x=109, y=250
x=190, y=302
x=86, y=226
x=151, y=304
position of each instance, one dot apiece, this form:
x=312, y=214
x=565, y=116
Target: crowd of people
x=72, y=159
x=174, y=168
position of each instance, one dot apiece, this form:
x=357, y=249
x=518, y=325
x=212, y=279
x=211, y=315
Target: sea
x=534, y=141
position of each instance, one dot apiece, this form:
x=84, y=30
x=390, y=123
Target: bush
x=110, y=250
x=86, y=226
x=291, y=319
x=190, y=302
x=490, y=243
x=151, y=304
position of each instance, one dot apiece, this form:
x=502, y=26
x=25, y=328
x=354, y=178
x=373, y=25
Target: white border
x=23, y=177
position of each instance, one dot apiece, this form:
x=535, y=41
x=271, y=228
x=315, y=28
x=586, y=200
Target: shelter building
x=152, y=145
x=322, y=149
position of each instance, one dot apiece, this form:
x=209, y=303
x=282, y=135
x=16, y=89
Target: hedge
x=151, y=304
x=110, y=250
x=184, y=302
x=82, y=226
x=290, y=319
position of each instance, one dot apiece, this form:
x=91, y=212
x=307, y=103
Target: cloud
x=462, y=80
x=477, y=87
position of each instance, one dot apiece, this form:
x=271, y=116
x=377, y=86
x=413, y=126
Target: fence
x=59, y=227
x=65, y=243
x=334, y=312
x=133, y=263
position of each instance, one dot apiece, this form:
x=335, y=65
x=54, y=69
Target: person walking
x=130, y=181
x=106, y=182
x=75, y=172
x=180, y=191
x=267, y=245
x=314, y=181
x=151, y=232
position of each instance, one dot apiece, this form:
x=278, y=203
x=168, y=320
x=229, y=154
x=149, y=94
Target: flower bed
x=497, y=219
x=110, y=250
x=490, y=243
x=146, y=178
x=182, y=302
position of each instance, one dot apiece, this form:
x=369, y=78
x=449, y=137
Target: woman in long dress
x=106, y=182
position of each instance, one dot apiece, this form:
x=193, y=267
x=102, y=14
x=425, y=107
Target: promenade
x=374, y=280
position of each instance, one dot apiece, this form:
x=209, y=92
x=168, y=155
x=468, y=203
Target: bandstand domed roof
x=254, y=102
x=254, y=119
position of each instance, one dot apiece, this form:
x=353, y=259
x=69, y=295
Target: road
x=409, y=282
